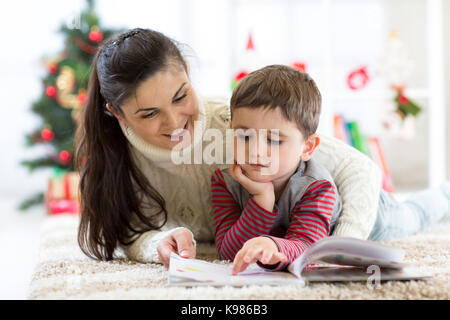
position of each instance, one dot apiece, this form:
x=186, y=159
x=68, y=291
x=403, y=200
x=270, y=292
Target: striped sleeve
x=310, y=221
x=234, y=226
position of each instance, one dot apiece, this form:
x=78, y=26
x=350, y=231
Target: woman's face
x=163, y=110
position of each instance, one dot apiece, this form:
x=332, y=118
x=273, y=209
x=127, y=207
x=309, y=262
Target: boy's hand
x=263, y=192
x=253, y=187
x=261, y=249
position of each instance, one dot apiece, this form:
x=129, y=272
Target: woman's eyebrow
x=176, y=93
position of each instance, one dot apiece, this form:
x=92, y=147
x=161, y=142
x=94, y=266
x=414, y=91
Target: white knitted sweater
x=186, y=187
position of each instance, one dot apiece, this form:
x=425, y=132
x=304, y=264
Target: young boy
x=270, y=212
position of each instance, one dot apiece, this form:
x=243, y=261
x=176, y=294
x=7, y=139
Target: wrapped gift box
x=63, y=207
x=62, y=194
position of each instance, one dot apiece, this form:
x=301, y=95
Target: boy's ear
x=311, y=144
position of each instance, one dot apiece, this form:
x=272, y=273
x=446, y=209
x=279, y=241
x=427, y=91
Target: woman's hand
x=180, y=242
x=261, y=249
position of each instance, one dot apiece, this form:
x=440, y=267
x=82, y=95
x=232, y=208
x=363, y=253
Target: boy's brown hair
x=279, y=86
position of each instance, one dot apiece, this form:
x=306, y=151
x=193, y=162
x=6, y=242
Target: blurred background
x=382, y=66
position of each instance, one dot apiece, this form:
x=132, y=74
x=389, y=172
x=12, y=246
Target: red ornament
x=403, y=100
x=82, y=98
x=358, y=79
x=96, y=36
x=50, y=92
x=52, y=68
x=47, y=135
x=299, y=66
x=237, y=78
x=241, y=75
x=65, y=157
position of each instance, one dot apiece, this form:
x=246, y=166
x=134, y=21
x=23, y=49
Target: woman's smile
x=179, y=133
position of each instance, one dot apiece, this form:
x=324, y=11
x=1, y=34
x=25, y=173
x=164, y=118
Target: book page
x=351, y=252
x=348, y=273
x=193, y=272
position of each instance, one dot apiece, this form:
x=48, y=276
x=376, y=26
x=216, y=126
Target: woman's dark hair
x=110, y=181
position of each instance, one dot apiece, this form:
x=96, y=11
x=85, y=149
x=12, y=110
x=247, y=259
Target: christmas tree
x=64, y=94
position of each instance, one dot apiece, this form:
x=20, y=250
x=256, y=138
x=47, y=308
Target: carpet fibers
x=64, y=272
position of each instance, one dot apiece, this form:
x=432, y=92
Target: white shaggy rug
x=64, y=272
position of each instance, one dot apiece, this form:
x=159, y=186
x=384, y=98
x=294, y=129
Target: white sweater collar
x=160, y=155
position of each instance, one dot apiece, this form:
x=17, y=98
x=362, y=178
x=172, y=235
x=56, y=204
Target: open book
x=330, y=259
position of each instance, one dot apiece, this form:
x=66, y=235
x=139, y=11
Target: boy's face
x=268, y=156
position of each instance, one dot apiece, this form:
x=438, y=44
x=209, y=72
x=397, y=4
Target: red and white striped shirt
x=310, y=220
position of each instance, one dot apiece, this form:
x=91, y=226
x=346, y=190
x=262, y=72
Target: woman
x=140, y=106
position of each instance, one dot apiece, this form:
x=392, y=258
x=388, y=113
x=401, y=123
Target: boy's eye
x=274, y=141
x=244, y=137
x=150, y=115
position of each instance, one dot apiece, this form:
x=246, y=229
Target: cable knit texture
x=358, y=180
x=186, y=187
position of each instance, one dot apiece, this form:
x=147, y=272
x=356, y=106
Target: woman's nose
x=171, y=120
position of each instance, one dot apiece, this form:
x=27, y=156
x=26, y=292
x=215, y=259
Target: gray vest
x=307, y=173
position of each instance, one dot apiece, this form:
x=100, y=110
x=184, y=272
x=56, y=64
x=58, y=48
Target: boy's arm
x=310, y=222
x=233, y=225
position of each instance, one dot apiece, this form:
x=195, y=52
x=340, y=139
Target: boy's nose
x=257, y=149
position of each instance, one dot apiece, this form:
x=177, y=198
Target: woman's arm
x=358, y=180
x=156, y=246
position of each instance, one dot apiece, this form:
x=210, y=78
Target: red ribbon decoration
x=358, y=79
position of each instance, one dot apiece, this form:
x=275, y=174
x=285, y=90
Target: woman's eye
x=180, y=98
x=150, y=115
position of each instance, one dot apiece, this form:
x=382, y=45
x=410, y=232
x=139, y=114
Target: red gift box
x=63, y=207
x=62, y=194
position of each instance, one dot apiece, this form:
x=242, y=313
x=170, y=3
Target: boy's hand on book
x=261, y=249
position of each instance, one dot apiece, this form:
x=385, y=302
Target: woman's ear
x=311, y=144
x=116, y=114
